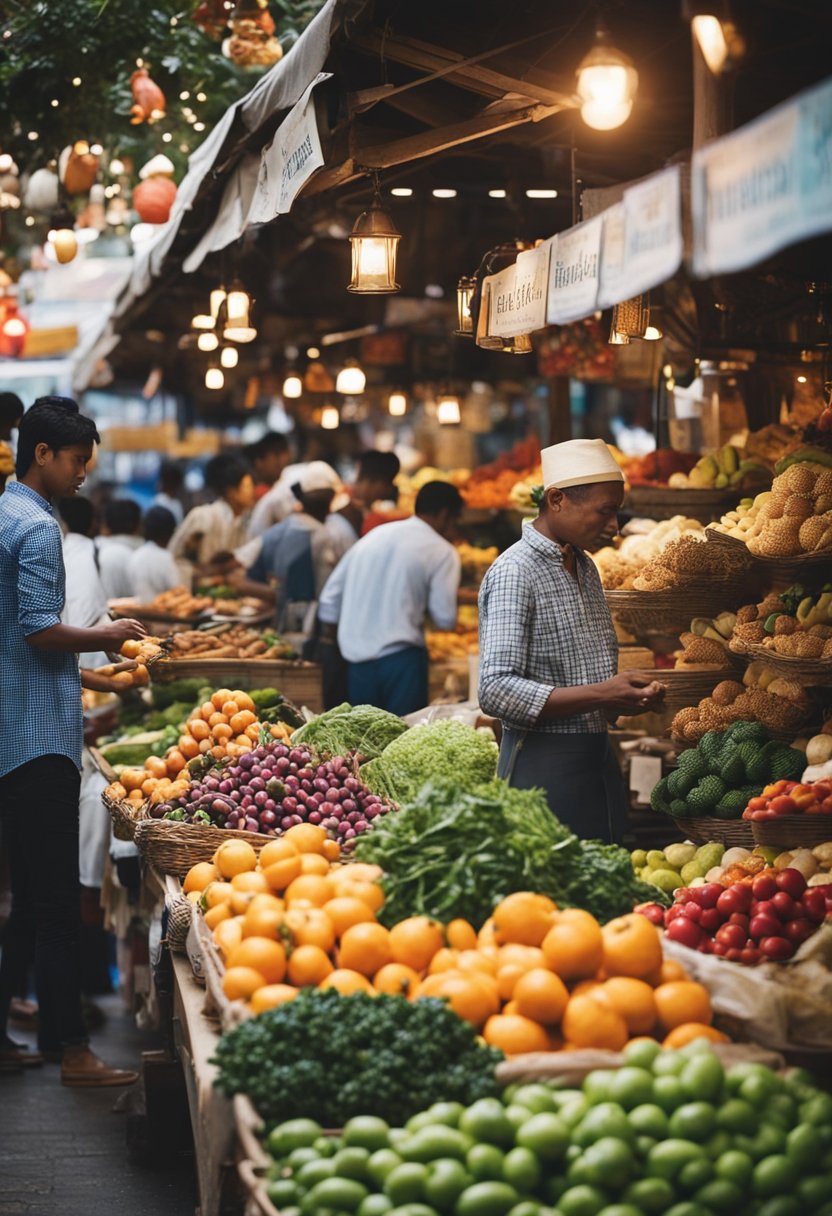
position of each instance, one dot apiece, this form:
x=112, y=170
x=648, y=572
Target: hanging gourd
x=78, y=167
x=252, y=43
x=153, y=199
x=149, y=100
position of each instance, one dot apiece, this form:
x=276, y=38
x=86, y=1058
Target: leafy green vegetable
x=456, y=852
x=329, y=1057
x=133, y=751
x=442, y=750
x=364, y=729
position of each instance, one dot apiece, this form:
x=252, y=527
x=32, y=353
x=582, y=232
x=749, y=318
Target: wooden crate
x=298, y=680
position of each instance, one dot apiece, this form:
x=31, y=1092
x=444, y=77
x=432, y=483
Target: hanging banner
x=290, y=159
x=574, y=273
x=518, y=294
x=612, y=285
x=765, y=186
x=653, y=245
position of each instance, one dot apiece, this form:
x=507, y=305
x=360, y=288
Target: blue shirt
x=40, y=690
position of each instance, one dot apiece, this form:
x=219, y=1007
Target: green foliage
x=364, y=729
x=442, y=750
x=330, y=1057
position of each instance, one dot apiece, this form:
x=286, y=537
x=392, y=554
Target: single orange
x=523, y=917
x=395, y=979
x=591, y=1021
x=415, y=941
x=444, y=960
x=313, y=863
x=262, y=922
x=632, y=946
x=486, y=936
x=507, y=978
x=240, y=983
x=347, y=982
x=277, y=850
x=311, y=927
x=200, y=876
x=671, y=970
x=682, y=1001
x=308, y=966
x=370, y=893
x=234, y=857
x=541, y=995
x=251, y=880
x=279, y=874
x=312, y=889
x=345, y=911
x=574, y=947
x=461, y=935
x=331, y=850
x=228, y=934
x=306, y=837
x=270, y=996
x=263, y=954
x=218, y=892
x=469, y=995
x=362, y=871
x=633, y=999
x=365, y=947
x=687, y=1032
x=515, y=1034
x=524, y=957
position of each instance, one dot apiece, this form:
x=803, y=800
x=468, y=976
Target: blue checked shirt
x=40, y=690
x=542, y=629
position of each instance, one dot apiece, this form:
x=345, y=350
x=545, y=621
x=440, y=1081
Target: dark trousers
x=397, y=683
x=39, y=803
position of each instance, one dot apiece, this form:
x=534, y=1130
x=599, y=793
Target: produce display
x=489, y=487
x=451, y=644
x=729, y=865
x=727, y=468
x=439, y=750
x=780, y=705
x=178, y=602
x=229, y=642
x=684, y=563
x=456, y=849
x=618, y=567
x=754, y=920
x=679, y=865
x=794, y=516
x=790, y=798
x=362, y=729
x=658, y=467
x=666, y=1131
x=475, y=562
x=790, y=623
x=705, y=644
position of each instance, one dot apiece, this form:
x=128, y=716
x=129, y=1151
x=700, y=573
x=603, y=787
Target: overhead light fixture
x=652, y=333
x=202, y=321
x=714, y=32
x=442, y=192
x=617, y=338
x=214, y=377
x=375, y=243
x=218, y=297
x=330, y=418
x=800, y=380
x=13, y=331
x=497, y=193
x=465, y=289
x=351, y=379
x=447, y=410
x=229, y=356
x=207, y=340
x=402, y=191
x=238, y=327
x=541, y=194
x=397, y=405
x=312, y=352
x=292, y=385
x=607, y=83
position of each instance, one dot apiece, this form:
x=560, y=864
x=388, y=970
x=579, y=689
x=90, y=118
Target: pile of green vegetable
x=441, y=750
x=726, y=769
x=363, y=729
x=455, y=851
x=330, y=1057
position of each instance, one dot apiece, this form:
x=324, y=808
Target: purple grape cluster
x=273, y=787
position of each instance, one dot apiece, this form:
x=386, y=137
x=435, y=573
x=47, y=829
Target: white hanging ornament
x=41, y=193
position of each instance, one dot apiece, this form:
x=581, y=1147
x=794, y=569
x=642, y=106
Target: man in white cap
x=548, y=650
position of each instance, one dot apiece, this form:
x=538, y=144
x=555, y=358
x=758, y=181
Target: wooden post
x=560, y=410
x=712, y=99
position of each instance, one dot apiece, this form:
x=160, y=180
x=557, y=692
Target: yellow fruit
x=277, y=850
x=540, y=995
x=574, y=946
x=264, y=955
x=344, y=911
x=218, y=893
x=228, y=934
x=306, y=837
x=234, y=857
x=515, y=1034
x=240, y=983
x=523, y=917
x=309, y=966
x=415, y=941
x=365, y=947
x=200, y=876
x=347, y=982
x=216, y=915
x=270, y=996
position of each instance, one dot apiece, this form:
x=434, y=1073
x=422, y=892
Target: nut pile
x=780, y=705
x=619, y=567
x=683, y=563
x=793, y=517
x=794, y=625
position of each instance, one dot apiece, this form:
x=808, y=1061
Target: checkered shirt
x=541, y=629
x=40, y=691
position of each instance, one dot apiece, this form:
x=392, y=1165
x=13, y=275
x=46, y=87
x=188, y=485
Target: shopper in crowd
x=11, y=411
x=41, y=754
x=380, y=593
x=280, y=500
x=210, y=533
x=374, y=482
x=268, y=457
x=151, y=568
x=86, y=599
x=120, y=537
x=548, y=650
x=169, y=494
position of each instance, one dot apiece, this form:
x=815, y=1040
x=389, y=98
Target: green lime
x=300, y=1156
x=414, y=1209
x=546, y=1135
x=782, y=1108
x=282, y=1192
x=815, y=1191
x=620, y=1209
x=381, y=1162
x=399, y=1135
x=668, y=1158
x=521, y=1169
x=608, y=1162
x=406, y=1183
x=758, y=1087
x=447, y=1179
x=597, y=1084
x=313, y=1172
x=536, y=1097
x=573, y=1109
x=718, y=1143
x=703, y=1077
x=326, y=1146
x=631, y=1086
x=605, y=1119
x=668, y=1064
x=668, y=1092
x=775, y=1175
x=694, y=1175
x=484, y=1162
x=527, y=1207
x=693, y=1121
x=769, y=1141
x=582, y=1200
x=736, y=1167
x=737, y=1115
x=436, y=1140
x=448, y=1113
x=352, y=1163
x=780, y=1205
x=804, y=1146
x=817, y=1110
x=374, y=1205
x=416, y=1122
x=486, y=1199
x=651, y=1195
x=295, y=1133
x=517, y=1115
x=644, y=1144
x=366, y=1131
x=720, y=1195
x=648, y=1119
x=687, y=1209
x=641, y=1052
x=485, y=1121
x=343, y=1194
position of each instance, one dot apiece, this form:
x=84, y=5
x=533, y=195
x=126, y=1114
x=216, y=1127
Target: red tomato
x=764, y=886
x=686, y=931
x=777, y=948
x=791, y=881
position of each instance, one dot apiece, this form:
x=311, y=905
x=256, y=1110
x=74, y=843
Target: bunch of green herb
x=363, y=729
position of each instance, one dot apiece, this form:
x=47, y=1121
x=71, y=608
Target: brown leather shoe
x=82, y=1068
x=18, y=1053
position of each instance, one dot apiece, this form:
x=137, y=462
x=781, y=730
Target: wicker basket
x=792, y=831
x=297, y=680
x=808, y=671
x=730, y=832
x=647, y=613
x=778, y=570
x=686, y=688
x=172, y=847
x=659, y=502
x=125, y=816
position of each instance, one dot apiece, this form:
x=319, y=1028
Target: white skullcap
x=318, y=475
x=578, y=462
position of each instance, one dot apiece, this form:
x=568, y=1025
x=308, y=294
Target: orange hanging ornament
x=148, y=97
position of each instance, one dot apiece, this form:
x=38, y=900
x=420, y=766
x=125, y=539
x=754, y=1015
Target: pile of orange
x=223, y=727
x=533, y=979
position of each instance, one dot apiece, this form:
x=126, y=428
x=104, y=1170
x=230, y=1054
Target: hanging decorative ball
x=252, y=43
x=9, y=192
x=153, y=199
x=211, y=17
x=65, y=244
x=157, y=166
x=149, y=99
x=41, y=192
x=78, y=167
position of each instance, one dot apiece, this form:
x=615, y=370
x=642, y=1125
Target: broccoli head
x=706, y=794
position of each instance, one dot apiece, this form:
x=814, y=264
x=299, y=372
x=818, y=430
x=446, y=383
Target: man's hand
x=113, y=635
x=632, y=692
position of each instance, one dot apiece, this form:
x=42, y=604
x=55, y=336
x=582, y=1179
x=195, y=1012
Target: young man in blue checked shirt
x=41, y=727
x=548, y=650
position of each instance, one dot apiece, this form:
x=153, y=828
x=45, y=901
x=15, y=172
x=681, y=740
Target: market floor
x=63, y=1152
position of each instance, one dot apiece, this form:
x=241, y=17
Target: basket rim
x=791, y=559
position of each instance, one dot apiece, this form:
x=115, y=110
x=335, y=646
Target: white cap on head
x=318, y=475
x=578, y=462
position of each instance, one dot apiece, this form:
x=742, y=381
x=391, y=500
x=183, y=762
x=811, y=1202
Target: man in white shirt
x=215, y=530
x=279, y=501
x=151, y=569
x=380, y=593
x=374, y=482
x=119, y=538
x=86, y=601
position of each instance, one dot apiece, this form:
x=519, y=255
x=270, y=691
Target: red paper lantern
x=153, y=199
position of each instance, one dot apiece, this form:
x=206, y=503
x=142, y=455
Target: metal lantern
x=214, y=377
x=375, y=242
x=351, y=379
x=237, y=326
x=447, y=410
x=397, y=405
x=465, y=289
x=330, y=418
x=607, y=83
x=229, y=356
